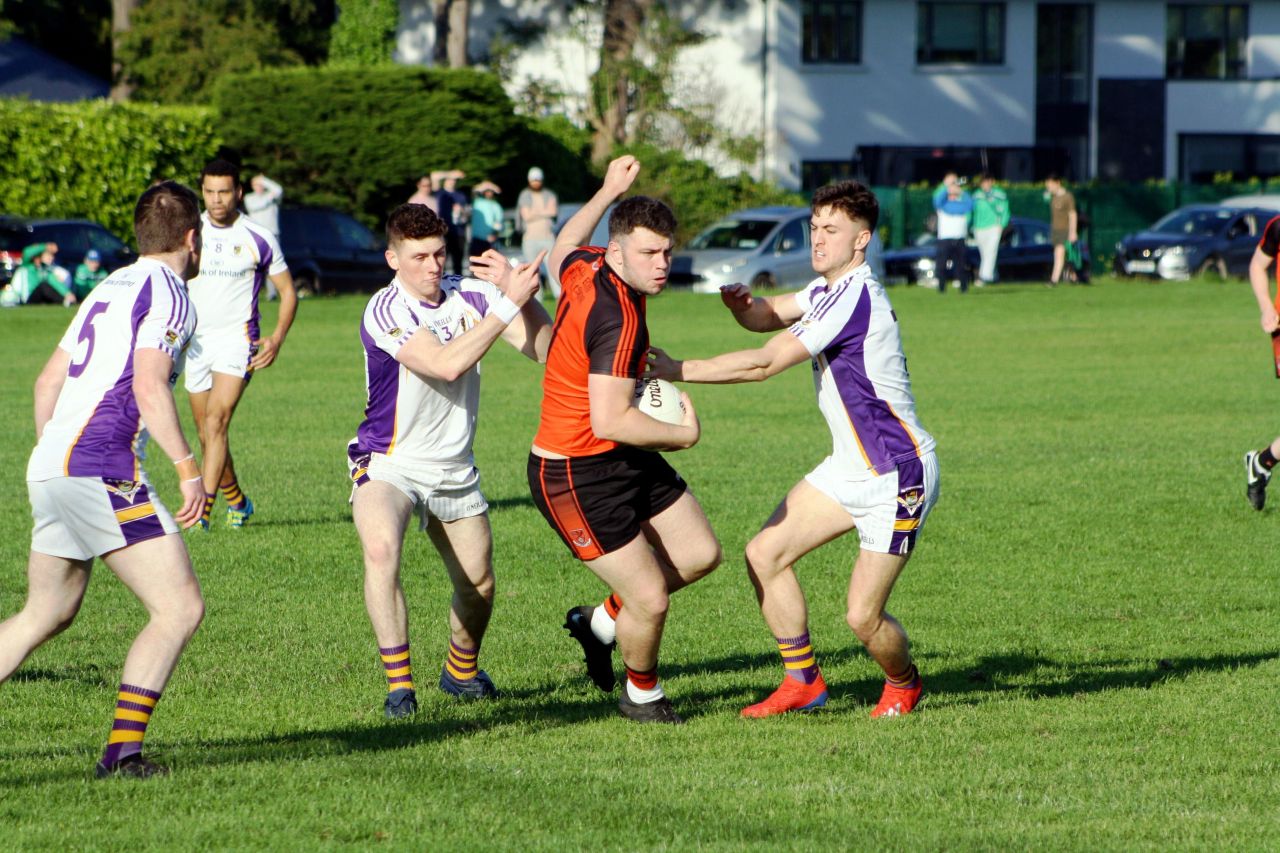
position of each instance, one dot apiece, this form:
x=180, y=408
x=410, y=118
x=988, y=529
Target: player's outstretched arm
x=269, y=347
x=618, y=178
x=782, y=351
x=151, y=369
x=614, y=418
x=49, y=385
x=426, y=356
x=760, y=313
x=1259, y=281
x=530, y=332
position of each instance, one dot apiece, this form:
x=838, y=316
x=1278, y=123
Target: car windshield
x=736, y=234
x=1202, y=222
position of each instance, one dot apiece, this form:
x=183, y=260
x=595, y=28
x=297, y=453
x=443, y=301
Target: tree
x=173, y=50
x=121, y=12
x=611, y=85
x=364, y=34
x=453, y=21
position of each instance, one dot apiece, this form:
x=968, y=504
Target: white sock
x=640, y=697
x=603, y=626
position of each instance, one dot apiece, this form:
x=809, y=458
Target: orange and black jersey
x=1270, y=242
x=599, y=328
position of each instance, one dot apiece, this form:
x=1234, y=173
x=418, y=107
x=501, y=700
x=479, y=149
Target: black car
x=75, y=237
x=328, y=251
x=1194, y=240
x=1025, y=255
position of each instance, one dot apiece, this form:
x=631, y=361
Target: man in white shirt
x=424, y=335
x=881, y=478
x=239, y=256
x=108, y=387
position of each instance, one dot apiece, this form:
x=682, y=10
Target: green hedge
x=358, y=139
x=92, y=159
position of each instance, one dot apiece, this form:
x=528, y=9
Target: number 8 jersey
x=96, y=430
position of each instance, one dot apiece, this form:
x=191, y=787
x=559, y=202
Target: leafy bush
x=92, y=159
x=696, y=193
x=358, y=139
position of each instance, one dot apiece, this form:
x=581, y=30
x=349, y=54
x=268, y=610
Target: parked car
x=1194, y=240
x=75, y=237
x=1025, y=255
x=765, y=247
x=328, y=251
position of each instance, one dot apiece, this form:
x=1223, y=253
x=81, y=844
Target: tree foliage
x=175, y=51
x=358, y=138
x=93, y=159
x=364, y=34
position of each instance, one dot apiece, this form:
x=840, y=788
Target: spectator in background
x=536, y=211
x=89, y=273
x=426, y=194
x=990, y=218
x=263, y=207
x=486, y=218
x=40, y=280
x=1063, y=224
x=953, y=206
x=455, y=212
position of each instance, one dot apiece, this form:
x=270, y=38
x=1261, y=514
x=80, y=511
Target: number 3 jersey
x=414, y=420
x=860, y=373
x=96, y=430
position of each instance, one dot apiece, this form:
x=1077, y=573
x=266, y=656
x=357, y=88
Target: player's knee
x=477, y=592
x=863, y=621
x=216, y=421
x=53, y=622
x=381, y=556
x=189, y=612
x=762, y=557
x=648, y=604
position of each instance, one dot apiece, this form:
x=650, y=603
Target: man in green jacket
x=89, y=273
x=990, y=217
x=40, y=279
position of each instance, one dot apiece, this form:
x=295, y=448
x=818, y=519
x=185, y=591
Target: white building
x=898, y=90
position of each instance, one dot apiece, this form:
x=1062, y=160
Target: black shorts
x=597, y=503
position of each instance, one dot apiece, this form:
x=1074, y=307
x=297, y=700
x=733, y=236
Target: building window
x=832, y=31
x=819, y=173
x=1206, y=41
x=971, y=33
x=1205, y=157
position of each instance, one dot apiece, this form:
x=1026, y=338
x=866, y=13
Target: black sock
x=1266, y=459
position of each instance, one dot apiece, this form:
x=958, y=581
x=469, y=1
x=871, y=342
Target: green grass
x=1093, y=606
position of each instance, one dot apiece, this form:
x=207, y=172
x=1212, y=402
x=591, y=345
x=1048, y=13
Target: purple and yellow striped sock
x=906, y=679
x=395, y=661
x=797, y=657
x=209, y=498
x=133, y=711
x=231, y=494
x=462, y=663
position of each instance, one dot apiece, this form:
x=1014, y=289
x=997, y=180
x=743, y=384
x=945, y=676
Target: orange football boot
x=793, y=695
x=897, y=701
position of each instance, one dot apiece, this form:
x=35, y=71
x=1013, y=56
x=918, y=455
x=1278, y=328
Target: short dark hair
x=221, y=169
x=984, y=176
x=1053, y=176
x=854, y=199
x=163, y=216
x=413, y=222
x=641, y=211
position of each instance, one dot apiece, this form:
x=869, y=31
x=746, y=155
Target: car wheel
x=764, y=281
x=307, y=284
x=1213, y=267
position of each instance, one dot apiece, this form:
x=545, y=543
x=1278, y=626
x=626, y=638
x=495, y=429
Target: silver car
x=765, y=247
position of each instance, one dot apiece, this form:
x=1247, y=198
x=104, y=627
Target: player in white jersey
x=882, y=475
x=424, y=336
x=106, y=387
x=239, y=257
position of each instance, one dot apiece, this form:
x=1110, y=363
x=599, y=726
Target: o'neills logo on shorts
x=579, y=537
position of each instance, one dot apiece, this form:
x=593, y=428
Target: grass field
x=1093, y=606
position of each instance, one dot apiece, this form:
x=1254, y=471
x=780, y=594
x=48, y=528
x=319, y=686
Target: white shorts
x=219, y=351
x=889, y=510
x=79, y=518
x=447, y=493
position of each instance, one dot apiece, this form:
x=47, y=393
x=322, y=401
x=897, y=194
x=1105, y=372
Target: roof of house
x=26, y=70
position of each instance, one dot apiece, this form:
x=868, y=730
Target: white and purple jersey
x=860, y=374
x=96, y=430
x=411, y=419
x=234, y=264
